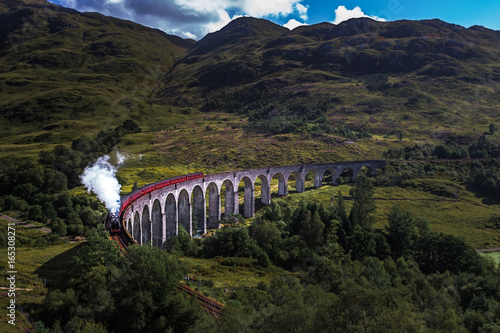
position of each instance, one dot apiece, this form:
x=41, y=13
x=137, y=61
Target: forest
x=341, y=274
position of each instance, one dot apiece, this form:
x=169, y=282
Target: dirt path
x=25, y=223
x=489, y=250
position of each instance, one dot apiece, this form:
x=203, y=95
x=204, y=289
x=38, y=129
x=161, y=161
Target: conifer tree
x=364, y=203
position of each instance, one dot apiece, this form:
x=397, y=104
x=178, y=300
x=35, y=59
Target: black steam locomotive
x=114, y=225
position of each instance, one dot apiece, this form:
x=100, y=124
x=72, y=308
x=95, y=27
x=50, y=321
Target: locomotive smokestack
x=100, y=178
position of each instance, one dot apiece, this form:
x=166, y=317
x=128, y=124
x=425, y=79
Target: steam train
x=130, y=198
x=113, y=223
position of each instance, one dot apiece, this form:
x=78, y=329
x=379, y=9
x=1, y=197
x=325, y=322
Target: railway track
x=210, y=305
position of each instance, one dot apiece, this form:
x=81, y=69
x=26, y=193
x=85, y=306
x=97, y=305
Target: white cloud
x=261, y=8
x=302, y=11
x=343, y=14
x=293, y=23
x=188, y=18
x=224, y=19
x=186, y=34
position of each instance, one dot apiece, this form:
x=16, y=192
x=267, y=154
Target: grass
x=32, y=265
x=463, y=217
x=494, y=256
x=24, y=233
x=35, y=267
x=217, y=142
x=229, y=273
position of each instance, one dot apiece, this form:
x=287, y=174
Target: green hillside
x=65, y=72
x=315, y=89
x=426, y=78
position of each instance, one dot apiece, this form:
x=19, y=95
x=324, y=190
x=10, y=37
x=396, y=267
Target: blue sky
x=462, y=12
x=195, y=18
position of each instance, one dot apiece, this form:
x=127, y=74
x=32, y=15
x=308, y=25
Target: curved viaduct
x=156, y=216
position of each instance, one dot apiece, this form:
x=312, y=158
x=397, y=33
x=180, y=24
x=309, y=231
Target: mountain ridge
x=63, y=70
x=265, y=77
x=59, y=64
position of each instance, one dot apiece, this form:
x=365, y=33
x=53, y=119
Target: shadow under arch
x=368, y=171
x=170, y=216
x=145, y=225
x=347, y=175
x=198, y=218
x=282, y=184
x=230, y=203
x=157, y=228
x=329, y=177
x=129, y=226
x=213, y=202
x=136, y=234
x=184, y=205
x=299, y=182
x=248, y=197
x=265, y=189
x=312, y=179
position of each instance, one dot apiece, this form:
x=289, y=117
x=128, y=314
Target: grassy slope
x=32, y=265
x=75, y=74
x=495, y=256
x=229, y=273
x=189, y=146
x=464, y=217
x=325, y=62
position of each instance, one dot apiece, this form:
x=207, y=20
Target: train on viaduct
x=195, y=203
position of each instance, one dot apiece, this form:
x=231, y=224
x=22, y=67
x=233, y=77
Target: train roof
x=160, y=181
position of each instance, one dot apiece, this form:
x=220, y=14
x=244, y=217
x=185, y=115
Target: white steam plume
x=100, y=179
x=120, y=158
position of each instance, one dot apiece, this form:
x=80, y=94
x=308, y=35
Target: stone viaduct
x=196, y=204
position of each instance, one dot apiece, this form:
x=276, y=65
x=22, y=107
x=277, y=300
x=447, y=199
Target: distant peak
x=252, y=23
x=236, y=30
x=6, y=5
x=15, y=3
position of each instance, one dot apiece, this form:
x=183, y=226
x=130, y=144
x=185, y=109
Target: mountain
x=6, y=5
x=429, y=74
x=63, y=72
x=59, y=66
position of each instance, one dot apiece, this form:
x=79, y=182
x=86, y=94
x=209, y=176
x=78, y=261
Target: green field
x=494, y=256
x=219, y=275
x=35, y=267
x=463, y=217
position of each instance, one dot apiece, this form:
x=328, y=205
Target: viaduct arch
x=196, y=204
